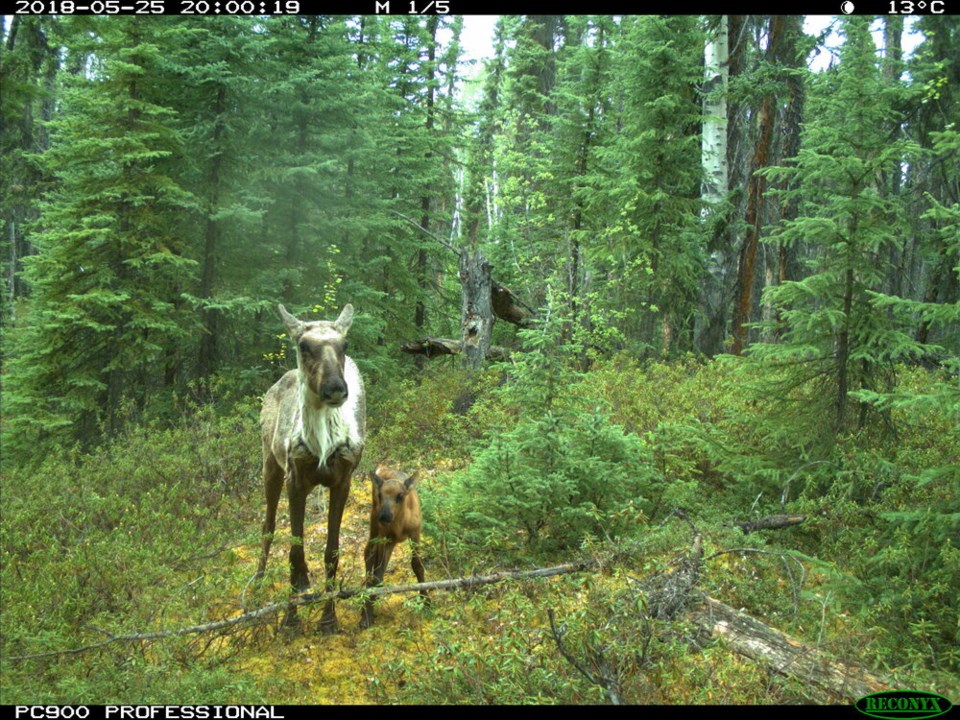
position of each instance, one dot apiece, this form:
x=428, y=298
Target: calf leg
x=376, y=556
x=416, y=562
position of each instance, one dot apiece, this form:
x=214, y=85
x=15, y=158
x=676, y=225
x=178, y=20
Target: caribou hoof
x=291, y=622
x=328, y=623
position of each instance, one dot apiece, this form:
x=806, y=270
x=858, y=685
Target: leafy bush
x=142, y=529
x=433, y=419
x=549, y=481
x=557, y=468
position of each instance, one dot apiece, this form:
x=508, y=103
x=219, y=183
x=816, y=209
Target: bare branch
x=669, y=593
x=439, y=239
x=311, y=598
x=607, y=680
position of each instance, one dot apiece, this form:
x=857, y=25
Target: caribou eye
x=304, y=348
x=400, y=498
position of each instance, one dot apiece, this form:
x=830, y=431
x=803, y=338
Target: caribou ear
x=343, y=322
x=376, y=479
x=294, y=326
x=412, y=480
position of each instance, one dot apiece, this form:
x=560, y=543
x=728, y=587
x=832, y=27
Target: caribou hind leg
x=416, y=564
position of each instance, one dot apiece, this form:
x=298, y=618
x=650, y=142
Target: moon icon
x=847, y=7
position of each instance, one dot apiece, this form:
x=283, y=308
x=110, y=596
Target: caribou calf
x=394, y=517
x=313, y=425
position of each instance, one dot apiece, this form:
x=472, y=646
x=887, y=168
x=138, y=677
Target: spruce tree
x=650, y=249
x=108, y=263
x=832, y=333
x=213, y=87
x=30, y=61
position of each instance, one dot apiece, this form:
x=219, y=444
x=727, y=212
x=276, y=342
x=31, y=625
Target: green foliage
x=435, y=420
x=142, y=531
x=501, y=660
x=548, y=482
x=563, y=470
x=897, y=504
x=496, y=646
x=109, y=266
x=830, y=333
x=650, y=249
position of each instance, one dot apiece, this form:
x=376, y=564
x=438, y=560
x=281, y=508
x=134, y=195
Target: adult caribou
x=312, y=423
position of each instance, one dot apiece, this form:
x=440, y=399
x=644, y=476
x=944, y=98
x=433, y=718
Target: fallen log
x=509, y=307
x=785, y=655
x=771, y=522
x=432, y=347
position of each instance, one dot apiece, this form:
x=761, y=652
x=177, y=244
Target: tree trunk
x=787, y=146
x=718, y=289
x=843, y=351
x=713, y=147
x=29, y=61
x=754, y=219
x=207, y=359
x=420, y=311
x=476, y=317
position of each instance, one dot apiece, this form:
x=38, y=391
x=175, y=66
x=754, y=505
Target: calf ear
x=345, y=320
x=376, y=479
x=294, y=326
x=411, y=481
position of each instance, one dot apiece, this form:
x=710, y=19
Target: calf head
x=390, y=489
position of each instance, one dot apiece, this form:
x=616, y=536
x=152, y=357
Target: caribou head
x=321, y=354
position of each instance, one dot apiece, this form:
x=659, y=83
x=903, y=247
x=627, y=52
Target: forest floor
x=146, y=553
x=337, y=668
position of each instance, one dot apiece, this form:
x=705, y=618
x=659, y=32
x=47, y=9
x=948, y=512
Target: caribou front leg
x=273, y=485
x=331, y=558
x=299, y=576
x=376, y=556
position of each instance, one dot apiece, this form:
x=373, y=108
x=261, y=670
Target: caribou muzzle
x=333, y=391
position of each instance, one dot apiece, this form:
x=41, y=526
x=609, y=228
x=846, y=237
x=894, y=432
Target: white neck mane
x=325, y=429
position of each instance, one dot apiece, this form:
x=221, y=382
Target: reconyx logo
x=897, y=704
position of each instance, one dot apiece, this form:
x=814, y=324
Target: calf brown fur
x=394, y=517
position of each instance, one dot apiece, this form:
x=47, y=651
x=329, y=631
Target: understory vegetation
x=697, y=272
x=530, y=463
